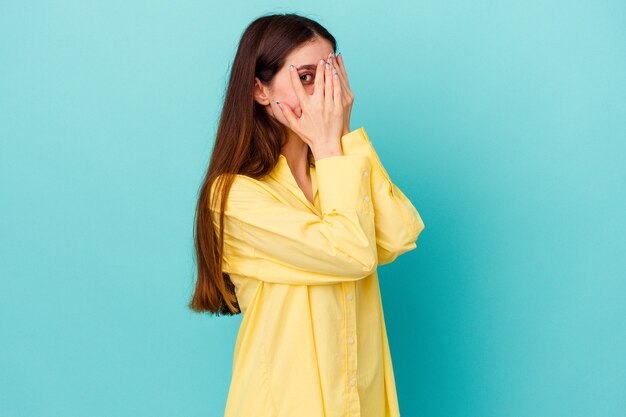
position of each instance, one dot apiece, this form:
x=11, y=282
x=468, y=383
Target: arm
x=269, y=240
x=398, y=224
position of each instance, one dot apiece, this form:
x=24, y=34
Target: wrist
x=325, y=151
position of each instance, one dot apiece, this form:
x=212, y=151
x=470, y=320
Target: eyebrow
x=307, y=67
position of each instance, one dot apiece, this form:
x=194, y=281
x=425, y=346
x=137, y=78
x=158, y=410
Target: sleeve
x=398, y=223
x=267, y=239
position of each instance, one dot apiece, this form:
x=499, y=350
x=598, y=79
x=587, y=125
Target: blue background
x=504, y=122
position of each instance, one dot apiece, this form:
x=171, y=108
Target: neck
x=296, y=152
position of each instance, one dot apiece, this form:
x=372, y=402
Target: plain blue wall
x=504, y=122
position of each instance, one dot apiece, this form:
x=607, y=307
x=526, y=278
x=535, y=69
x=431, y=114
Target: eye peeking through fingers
x=307, y=80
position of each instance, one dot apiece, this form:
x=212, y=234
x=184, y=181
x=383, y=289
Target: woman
x=295, y=214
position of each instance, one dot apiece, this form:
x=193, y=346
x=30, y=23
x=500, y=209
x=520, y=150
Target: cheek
x=291, y=98
x=285, y=95
x=292, y=101
x=284, y=91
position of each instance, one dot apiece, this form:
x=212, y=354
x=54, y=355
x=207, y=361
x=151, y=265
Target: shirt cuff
x=357, y=142
x=344, y=182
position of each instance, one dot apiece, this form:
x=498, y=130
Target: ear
x=261, y=92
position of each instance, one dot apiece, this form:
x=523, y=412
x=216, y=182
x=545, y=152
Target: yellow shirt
x=312, y=341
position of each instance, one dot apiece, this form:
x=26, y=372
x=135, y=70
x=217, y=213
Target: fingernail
x=291, y=67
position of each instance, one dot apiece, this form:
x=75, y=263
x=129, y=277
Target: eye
x=305, y=75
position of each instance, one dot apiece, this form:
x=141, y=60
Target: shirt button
x=365, y=173
x=367, y=199
x=350, y=297
x=350, y=340
x=353, y=381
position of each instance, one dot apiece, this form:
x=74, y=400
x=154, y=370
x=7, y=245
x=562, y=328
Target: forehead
x=309, y=53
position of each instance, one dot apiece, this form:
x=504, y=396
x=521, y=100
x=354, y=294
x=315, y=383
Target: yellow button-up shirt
x=312, y=341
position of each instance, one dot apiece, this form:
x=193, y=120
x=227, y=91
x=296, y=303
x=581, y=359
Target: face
x=305, y=60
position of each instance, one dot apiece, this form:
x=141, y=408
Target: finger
x=337, y=89
x=288, y=113
x=344, y=87
x=318, y=86
x=342, y=70
x=328, y=86
x=296, y=83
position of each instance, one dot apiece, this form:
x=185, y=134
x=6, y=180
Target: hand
x=322, y=121
x=347, y=96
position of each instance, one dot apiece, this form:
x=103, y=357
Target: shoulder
x=241, y=183
x=245, y=191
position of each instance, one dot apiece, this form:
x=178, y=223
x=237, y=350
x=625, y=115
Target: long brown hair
x=248, y=142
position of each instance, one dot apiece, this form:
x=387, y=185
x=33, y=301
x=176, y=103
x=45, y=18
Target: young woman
x=294, y=216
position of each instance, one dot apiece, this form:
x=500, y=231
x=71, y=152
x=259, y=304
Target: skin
x=283, y=88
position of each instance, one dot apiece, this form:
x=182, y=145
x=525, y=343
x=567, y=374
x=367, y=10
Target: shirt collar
x=282, y=173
